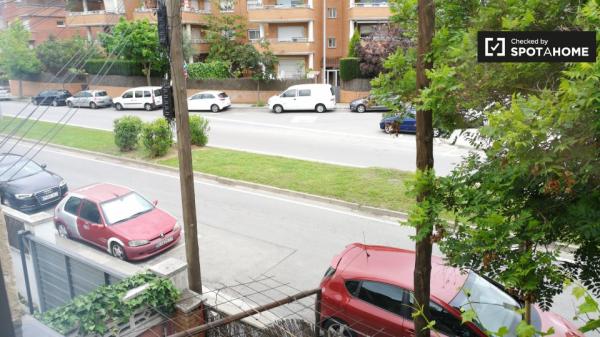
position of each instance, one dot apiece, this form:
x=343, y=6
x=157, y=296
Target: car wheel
x=62, y=231
x=118, y=106
x=93, y=105
x=337, y=328
x=117, y=251
x=361, y=108
x=278, y=109
x=70, y=104
x=54, y=103
x=214, y=108
x=320, y=108
x=148, y=107
x=389, y=128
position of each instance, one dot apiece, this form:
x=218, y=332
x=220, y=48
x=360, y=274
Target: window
x=157, y=92
x=87, y=94
x=25, y=24
x=147, y=94
x=209, y=96
x=304, y=92
x=352, y=287
x=125, y=207
x=128, y=94
x=382, y=295
x=60, y=23
x=226, y=5
x=289, y=93
x=445, y=322
x=331, y=13
x=72, y=206
x=89, y=212
x=253, y=34
x=331, y=42
x=195, y=97
x=223, y=95
x=101, y=94
x=139, y=94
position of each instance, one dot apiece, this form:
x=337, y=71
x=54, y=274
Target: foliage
x=90, y=313
x=127, y=131
x=349, y=68
x=208, y=70
x=353, y=43
x=113, y=67
x=157, y=137
x=137, y=41
x=588, y=310
x=17, y=60
x=199, y=130
x=56, y=53
x=376, y=47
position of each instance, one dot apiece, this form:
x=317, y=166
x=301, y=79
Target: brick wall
x=31, y=88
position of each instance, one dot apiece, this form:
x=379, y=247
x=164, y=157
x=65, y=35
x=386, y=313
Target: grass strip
x=378, y=187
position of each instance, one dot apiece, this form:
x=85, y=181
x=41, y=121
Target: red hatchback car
x=117, y=219
x=367, y=291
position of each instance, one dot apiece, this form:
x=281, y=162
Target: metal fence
x=61, y=275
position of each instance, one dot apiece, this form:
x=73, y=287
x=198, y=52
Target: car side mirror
x=43, y=166
x=155, y=202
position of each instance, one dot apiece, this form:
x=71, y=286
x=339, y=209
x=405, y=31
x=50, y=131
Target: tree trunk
x=258, y=93
x=424, y=140
x=20, y=88
x=527, y=311
x=148, y=72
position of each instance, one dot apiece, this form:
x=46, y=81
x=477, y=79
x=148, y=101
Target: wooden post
x=184, y=150
x=424, y=139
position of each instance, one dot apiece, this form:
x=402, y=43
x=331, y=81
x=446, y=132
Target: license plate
x=164, y=241
x=49, y=196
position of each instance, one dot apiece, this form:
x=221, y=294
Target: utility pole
x=184, y=150
x=422, y=273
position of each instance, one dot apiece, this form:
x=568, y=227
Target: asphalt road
x=338, y=137
x=246, y=233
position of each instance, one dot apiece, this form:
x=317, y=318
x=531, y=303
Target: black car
x=51, y=97
x=26, y=185
x=367, y=104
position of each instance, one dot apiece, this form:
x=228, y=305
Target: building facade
x=308, y=36
x=43, y=18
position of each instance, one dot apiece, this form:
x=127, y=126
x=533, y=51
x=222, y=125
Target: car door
x=305, y=100
x=207, y=101
x=90, y=224
x=446, y=324
x=68, y=215
x=376, y=308
x=127, y=99
x=138, y=99
x=408, y=124
x=194, y=102
x=288, y=100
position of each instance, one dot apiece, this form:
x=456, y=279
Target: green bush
x=157, y=137
x=113, y=67
x=208, y=70
x=354, y=41
x=349, y=68
x=127, y=131
x=199, y=130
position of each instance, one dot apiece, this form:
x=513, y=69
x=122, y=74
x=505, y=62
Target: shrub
x=157, y=137
x=354, y=41
x=127, y=131
x=349, y=68
x=199, y=130
x=115, y=67
x=208, y=70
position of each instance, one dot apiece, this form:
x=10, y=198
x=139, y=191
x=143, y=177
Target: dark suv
x=51, y=97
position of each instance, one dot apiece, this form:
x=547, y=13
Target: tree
x=376, y=47
x=17, y=60
x=137, y=41
x=353, y=43
x=56, y=55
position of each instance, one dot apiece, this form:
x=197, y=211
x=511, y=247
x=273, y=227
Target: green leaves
x=17, y=60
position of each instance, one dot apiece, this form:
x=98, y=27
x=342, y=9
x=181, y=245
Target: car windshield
x=101, y=93
x=125, y=207
x=22, y=168
x=494, y=307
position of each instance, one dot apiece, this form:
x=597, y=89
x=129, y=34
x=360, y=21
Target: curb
x=240, y=183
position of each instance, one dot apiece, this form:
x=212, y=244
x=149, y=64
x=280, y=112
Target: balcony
x=145, y=13
x=200, y=46
x=372, y=9
x=259, y=11
x=196, y=16
x=93, y=18
x=292, y=46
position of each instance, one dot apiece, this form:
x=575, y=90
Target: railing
x=369, y=4
x=95, y=12
x=198, y=41
x=196, y=10
x=257, y=5
x=288, y=40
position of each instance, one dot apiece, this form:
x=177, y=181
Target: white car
x=214, y=101
x=317, y=97
x=147, y=98
x=5, y=94
x=89, y=98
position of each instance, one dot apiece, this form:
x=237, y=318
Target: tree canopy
x=17, y=60
x=54, y=54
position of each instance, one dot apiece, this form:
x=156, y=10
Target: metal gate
x=61, y=275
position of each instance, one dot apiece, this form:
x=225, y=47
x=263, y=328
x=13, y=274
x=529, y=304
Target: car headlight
x=137, y=243
x=176, y=227
x=63, y=183
x=23, y=196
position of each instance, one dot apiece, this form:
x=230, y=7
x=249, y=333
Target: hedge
x=208, y=70
x=119, y=67
x=349, y=68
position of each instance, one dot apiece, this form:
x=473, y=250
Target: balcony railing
x=369, y=4
x=196, y=10
x=283, y=40
x=95, y=12
x=198, y=41
x=260, y=5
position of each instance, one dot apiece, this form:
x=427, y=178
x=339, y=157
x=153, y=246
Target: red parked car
x=367, y=291
x=117, y=219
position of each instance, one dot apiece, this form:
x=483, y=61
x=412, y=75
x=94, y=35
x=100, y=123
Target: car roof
x=312, y=85
x=142, y=88
x=209, y=92
x=376, y=263
x=101, y=192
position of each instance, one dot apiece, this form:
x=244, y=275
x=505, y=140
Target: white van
x=147, y=98
x=317, y=97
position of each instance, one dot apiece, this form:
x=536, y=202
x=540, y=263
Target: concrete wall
x=357, y=84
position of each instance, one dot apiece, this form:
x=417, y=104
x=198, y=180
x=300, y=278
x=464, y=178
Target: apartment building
x=43, y=18
x=308, y=36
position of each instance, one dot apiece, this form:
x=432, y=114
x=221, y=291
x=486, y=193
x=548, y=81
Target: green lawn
x=368, y=186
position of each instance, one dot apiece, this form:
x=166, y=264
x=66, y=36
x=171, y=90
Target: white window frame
x=226, y=6
x=331, y=45
x=254, y=30
x=332, y=13
x=60, y=24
